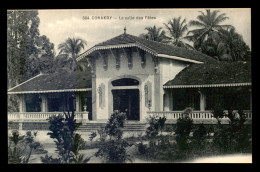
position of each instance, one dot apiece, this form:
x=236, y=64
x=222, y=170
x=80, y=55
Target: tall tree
x=154, y=34
x=227, y=45
x=24, y=48
x=71, y=49
x=235, y=46
x=208, y=23
x=43, y=60
x=24, y=45
x=177, y=29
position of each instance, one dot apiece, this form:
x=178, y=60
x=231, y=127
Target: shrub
x=142, y=149
x=115, y=124
x=155, y=126
x=235, y=136
x=68, y=143
x=183, y=128
x=15, y=154
x=115, y=149
x=23, y=147
x=200, y=137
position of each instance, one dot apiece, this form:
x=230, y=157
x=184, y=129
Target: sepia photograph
x=151, y=85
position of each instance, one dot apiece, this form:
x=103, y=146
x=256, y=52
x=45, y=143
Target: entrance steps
x=129, y=126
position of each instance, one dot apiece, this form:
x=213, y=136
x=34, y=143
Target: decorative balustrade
x=198, y=116
x=41, y=116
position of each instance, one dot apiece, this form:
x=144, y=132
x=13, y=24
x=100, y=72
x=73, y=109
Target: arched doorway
x=126, y=97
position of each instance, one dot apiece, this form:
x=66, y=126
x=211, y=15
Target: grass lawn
x=49, y=145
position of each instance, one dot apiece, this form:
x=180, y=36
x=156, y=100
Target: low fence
x=205, y=117
x=42, y=116
x=24, y=120
x=38, y=120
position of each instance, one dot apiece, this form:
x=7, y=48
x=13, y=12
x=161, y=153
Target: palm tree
x=72, y=47
x=216, y=48
x=208, y=23
x=154, y=34
x=177, y=29
x=235, y=45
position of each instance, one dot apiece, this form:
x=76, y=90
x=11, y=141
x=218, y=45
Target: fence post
x=85, y=117
x=20, y=121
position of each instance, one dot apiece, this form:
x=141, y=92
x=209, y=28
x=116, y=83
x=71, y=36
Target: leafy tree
x=177, y=29
x=235, y=46
x=71, y=48
x=226, y=45
x=43, y=61
x=28, y=53
x=154, y=34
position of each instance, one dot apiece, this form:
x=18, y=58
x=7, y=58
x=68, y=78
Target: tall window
x=33, y=103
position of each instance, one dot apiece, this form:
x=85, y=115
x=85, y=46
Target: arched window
x=125, y=82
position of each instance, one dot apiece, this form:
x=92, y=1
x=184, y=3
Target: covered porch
x=51, y=94
x=205, y=86
x=203, y=100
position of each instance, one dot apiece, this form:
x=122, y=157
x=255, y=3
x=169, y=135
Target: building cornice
x=50, y=91
x=179, y=58
x=208, y=85
x=138, y=45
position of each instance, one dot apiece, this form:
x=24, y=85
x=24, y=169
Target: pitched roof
x=153, y=47
x=212, y=75
x=61, y=81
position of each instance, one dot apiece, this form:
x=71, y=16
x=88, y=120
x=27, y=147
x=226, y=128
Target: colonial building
x=138, y=77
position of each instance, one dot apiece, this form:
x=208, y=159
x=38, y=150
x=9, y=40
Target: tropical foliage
x=115, y=149
x=70, y=50
x=177, y=30
x=28, y=52
x=208, y=24
x=20, y=148
x=154, y=34
x=207, y=34
x=68, y=142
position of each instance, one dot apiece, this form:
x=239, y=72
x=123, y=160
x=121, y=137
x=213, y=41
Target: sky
x=87, y=24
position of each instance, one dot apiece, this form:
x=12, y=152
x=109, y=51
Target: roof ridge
x=153, y=41
x=108, y=40
x=152, y=46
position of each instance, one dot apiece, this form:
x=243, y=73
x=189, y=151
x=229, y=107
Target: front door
x=127, y=101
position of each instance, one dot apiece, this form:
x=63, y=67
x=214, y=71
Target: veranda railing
x=205, y=117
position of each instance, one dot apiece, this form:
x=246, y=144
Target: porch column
x=166, y=100
x=171, y=100
x=44, y=106
x=202, y=100
x=22, y=104
x=77, y=103
x=22, y=108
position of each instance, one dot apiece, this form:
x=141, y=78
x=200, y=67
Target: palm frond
x=196, y=23
x=222, y=17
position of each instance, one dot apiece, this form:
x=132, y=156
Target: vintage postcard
x=129, y=85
